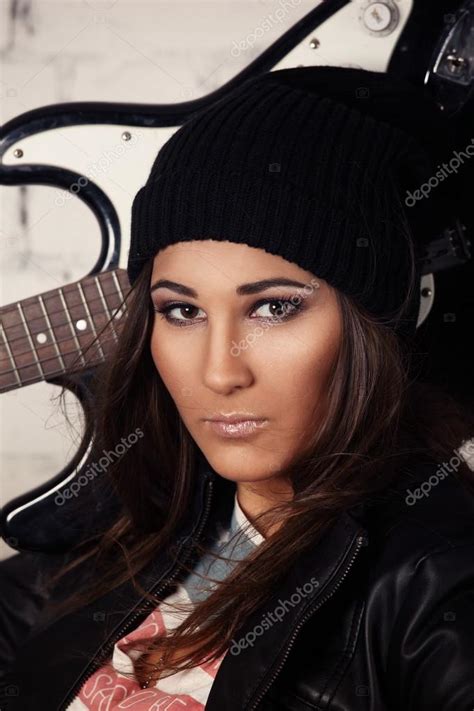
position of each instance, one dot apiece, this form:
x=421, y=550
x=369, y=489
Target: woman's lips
x=242, y=428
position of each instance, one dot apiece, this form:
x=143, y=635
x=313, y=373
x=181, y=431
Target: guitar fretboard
x=47, y=335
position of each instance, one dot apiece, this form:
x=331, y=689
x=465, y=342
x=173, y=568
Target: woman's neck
x=256, y=497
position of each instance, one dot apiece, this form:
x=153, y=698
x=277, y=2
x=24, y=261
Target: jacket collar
x=261, y=645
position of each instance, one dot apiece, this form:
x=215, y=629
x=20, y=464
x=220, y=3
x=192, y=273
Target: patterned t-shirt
x=110, y=690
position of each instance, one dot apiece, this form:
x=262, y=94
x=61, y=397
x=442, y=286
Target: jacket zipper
x=360, y=541
x=96, y=661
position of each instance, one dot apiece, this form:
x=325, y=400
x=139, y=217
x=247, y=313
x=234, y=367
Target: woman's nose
x=226, y=362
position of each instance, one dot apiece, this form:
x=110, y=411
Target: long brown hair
x=379, y=415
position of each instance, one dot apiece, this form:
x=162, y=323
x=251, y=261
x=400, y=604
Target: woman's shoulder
x=420, y=599
x=426, y=513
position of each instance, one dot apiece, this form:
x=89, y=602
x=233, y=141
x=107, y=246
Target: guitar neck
x=48, y=335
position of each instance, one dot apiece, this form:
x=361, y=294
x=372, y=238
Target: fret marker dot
x=41, y=337
x=81, y=325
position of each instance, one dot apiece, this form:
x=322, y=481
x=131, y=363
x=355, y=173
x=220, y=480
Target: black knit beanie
x=309, y=163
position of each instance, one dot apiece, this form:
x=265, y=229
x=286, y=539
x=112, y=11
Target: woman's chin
x=236, y=464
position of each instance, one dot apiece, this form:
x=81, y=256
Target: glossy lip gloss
x=243, y=428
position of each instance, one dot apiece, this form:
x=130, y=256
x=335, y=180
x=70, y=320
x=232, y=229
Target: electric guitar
x=44, y=337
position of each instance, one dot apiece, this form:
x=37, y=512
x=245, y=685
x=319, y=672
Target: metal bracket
x=448, y=250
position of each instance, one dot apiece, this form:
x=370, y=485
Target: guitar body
x=52, y=145
x=38, y=520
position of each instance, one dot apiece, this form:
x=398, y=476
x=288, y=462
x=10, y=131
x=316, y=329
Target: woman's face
x=226, y=341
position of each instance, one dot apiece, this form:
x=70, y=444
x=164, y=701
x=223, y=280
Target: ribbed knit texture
x=303, y=171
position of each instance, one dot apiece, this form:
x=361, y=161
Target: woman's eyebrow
x=244, y=289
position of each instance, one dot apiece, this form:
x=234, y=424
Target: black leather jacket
x=389, y=626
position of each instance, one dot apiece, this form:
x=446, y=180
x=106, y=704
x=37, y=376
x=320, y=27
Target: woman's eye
x=277, y=310
x=188, y=310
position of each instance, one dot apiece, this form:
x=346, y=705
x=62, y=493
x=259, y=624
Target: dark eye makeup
x=285, y=310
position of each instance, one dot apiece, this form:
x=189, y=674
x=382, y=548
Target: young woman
x=288, y=523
